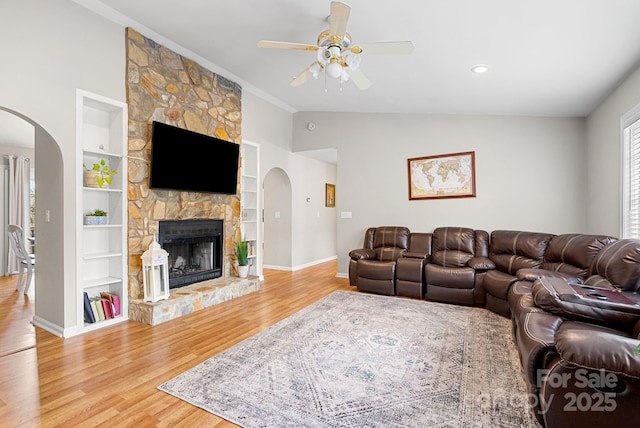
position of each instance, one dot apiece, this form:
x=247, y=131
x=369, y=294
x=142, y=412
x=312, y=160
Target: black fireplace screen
x=195, y=250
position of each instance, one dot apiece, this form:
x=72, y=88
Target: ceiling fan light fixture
x=352, y=60
x=315, y=70
x=334, y=70
x=334, y=50
x=335, y=53
x=344, y=76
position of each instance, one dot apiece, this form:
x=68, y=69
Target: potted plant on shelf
x=99, y=175
x=242, y=255
x=96, y=216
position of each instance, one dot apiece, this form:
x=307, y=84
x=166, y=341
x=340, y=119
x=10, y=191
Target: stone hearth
x=191, y=298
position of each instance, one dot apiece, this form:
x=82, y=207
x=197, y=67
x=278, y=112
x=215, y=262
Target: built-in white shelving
x=102, y=249
x=250, y=203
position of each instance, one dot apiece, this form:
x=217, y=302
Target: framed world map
x=442, y=176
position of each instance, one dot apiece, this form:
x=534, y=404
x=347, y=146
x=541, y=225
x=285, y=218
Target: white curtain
x=19, y=170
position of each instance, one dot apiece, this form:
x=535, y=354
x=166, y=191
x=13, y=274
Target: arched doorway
x=277, y=220
x=49, y=230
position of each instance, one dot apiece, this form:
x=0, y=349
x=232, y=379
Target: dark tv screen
x=189, y=161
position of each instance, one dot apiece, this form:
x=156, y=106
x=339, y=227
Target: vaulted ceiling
x=545, y=57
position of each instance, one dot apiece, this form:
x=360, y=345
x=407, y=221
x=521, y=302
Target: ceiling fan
x=335, y=52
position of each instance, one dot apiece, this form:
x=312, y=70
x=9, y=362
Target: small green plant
x=242, y=252
x=104, y=172
x=97, y=213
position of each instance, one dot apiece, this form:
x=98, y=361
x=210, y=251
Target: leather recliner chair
x=457, y=266
x=373, y=267
x=511, y=251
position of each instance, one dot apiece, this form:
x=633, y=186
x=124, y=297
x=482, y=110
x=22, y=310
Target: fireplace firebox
x=195, y=249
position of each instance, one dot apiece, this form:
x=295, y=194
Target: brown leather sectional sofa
x=574, y=301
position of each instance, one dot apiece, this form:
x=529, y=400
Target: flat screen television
x=188, y=161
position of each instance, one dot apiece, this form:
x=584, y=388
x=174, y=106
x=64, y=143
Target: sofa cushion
x=452, y=246
x=582, y=344
x=512, y=250
x=449, y=277
x=498, y=283
x=389, y=242
x=572, y=254
x=376, y=270
x=619, y=264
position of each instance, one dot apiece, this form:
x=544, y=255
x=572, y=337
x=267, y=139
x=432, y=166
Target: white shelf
x=99, y=153
x=104, y=323
x=97, y=256
x=97, y=282
x=250, y=204
x=102, y=249
x=101, y=189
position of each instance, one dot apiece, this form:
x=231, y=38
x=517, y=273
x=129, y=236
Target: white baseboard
x=299, y=267
x=316, y=262
x=275, y=267
x=342, y=275
x=51, y=327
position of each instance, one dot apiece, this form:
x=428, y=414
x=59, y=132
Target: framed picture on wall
x=330, y=195
x=442, y=176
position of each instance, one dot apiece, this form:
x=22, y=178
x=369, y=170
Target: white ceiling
x=546, y=57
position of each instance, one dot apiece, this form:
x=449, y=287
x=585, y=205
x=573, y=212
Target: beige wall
x=51, y=48
x=529, y=171
x=313, y=226
x=603, y=164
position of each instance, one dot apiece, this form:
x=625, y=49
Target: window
x=631, y=174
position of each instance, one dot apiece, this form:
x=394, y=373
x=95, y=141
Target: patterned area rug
x=361, y=360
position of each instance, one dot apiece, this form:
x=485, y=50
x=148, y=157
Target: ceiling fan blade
x=286, y=45
x=338, y=18
x=386, y=48
x=359, y=79
x=306, y=73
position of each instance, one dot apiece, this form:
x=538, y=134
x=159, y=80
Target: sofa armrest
x=532, y=274
x=362, y=254
x=597, y=348
x=416, y=255
x=481, y=263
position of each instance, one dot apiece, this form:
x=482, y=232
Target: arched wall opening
x=277, y=208
x=49, y=215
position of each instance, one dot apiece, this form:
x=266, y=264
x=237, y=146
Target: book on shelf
x=114, y=300
x=102, y=307
x=99, y=308
x=88, y=312
x=94, y=309
x=106, y=307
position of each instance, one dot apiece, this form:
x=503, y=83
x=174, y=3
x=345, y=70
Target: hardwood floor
x=16, y=312
x=109, y=377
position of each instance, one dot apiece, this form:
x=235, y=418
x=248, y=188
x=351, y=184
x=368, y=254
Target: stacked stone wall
x=169, y=88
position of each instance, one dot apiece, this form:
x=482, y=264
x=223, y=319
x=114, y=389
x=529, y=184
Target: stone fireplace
x=195, y=250
x=170, y=88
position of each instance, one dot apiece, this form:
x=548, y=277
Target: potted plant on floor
x=99, y=175
x=96, y=216
x=242, y=256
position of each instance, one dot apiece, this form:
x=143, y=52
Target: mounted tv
x=188, y=161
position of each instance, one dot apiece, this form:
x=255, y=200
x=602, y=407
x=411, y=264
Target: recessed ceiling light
x=480, y=68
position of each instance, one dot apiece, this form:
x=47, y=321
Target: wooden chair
x=25, y=260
